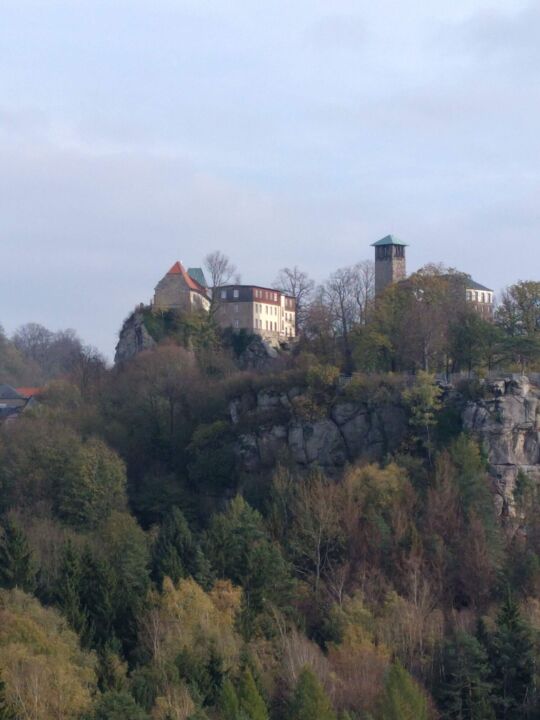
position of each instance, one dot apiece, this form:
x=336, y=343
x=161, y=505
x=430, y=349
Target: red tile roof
x=178, y=269
x=28, y=392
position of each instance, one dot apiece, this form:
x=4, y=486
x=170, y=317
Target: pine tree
x=309, y=700
x=174, y=553
x=6, y=711
x=96, y=597
x=464, y=691
x=228, y=704
x=17, y=567
x=513, y=662
x=68, y=587
x=402, y=698
x=251, y=703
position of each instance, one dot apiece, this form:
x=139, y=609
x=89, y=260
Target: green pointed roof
x=389, y=240
x=198, y=275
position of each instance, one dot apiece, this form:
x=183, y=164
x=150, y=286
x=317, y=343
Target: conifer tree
x=174, y=553
x=402, y=698
x=96, y=597
x=229, y=705
x=68, y=587
x=513, y=663
x=309, y=699
x=252, y=705
x=17, y=567
x=464, y=691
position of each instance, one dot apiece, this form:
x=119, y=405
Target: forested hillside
x=148, y=572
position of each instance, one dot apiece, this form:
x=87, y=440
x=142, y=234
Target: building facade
x=481, y=298
x=390, y=262
x=182, y=290
x=263, y=311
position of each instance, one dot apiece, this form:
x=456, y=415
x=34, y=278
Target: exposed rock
x=258, y=355
x=508, y=425
x=134, y=338
x=351, y=431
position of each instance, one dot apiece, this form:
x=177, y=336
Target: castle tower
x=390, y=264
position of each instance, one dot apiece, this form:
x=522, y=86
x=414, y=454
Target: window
x=223, y=294
x=266, y=306
x=236, y=293
x=236, y=308
x=275, y=297
x=236, y=323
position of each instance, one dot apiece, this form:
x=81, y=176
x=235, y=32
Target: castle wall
x=172, y=293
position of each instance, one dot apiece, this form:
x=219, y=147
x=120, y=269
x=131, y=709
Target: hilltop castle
x=391, y=267
x=271, y=313
x=263, y=311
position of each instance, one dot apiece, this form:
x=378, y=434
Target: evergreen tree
x=174, y=554
x=252, y=705
x=402, y=698
x=68, y=586
x=6, y=711
x=464, y=691
x=118, y=706
x=309, y=700
x=229, y=705
x=513, y=663
x=96, y=596
x=17, y=567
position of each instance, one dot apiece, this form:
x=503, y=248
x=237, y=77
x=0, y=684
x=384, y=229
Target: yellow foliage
x=186, y=617
x=47, y=675
x=174, y=704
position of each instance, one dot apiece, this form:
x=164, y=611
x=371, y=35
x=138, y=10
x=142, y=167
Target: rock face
x=508, y=425
x=349, y=432
x=134, y=338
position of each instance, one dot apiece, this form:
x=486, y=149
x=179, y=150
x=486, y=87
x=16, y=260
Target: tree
x=297, y=283
x=118, y=706
x=97, y=599
x=512, y=658
x=240, y=549
x=464, y=690
x=519, y=310
x=93, y=487
x=6, y=710
x=68, y=587
x=228, y=704
x=174, y=553
x=423, y=401
x=402, y=698
x=17, y=568
x=251, y=704
x=309, y=700
x=47, y=673
x=221, y=271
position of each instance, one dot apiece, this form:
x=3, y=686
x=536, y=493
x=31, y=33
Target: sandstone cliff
x=349, y=431
x=505, y=418
x=133, y=338
x=507, y=421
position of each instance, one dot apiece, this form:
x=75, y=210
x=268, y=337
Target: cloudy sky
x=137, y=132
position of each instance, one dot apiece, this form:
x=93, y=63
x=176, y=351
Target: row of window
x=266, y=295
x=482, y=297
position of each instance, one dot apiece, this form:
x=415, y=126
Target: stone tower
x=390, y=265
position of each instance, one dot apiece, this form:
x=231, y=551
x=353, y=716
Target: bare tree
x=339, y=295
x=297, y=283
x=221, y=271
x=364, y=289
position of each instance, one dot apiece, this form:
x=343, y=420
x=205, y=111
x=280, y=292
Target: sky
x=134, y=133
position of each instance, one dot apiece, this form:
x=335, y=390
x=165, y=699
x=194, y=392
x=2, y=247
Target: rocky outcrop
x=348, y=431
x=133, y=339
x=507, y=421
